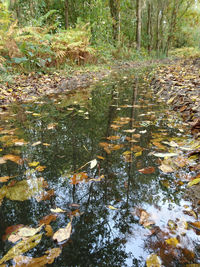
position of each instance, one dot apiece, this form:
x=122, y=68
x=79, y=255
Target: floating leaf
x=129, y=131
x=49, y=230
x=147, y=170
x=111, y=207
x=2, y=161
x=22, y=247
x=163, y=155
x=153, y=261
x=51, y=126
x=57, y=210
x=165, y=168
x=13, y=158
x=40, y=168
x=196, y=224
x=100, y=157
x=193, y=182
x=28, y=231
x=33, y=164
x=48, y=219
x=63, y=233
x=145, y=219
x=138, y=154
x=172, y=241
x=11, y=230
x=113, y=138
x=36, y=143
x=4, y=179
x=93, y=163
x=24, y=261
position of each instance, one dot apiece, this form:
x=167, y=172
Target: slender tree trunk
x=114, y=10
x=149, y=24
x=139, y=24
x=66, y=14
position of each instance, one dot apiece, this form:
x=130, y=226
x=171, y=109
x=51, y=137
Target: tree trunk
x=114, y=10
x=66, y=14
x=139, y=24
x=149, y=30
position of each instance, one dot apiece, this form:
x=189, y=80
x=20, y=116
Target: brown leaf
x=48, y=219
x=13, y=158
x=147, y=170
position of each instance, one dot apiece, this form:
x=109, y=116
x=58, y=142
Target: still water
x=91, y=153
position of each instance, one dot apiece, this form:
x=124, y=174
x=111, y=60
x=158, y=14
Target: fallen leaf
x=129, y=131
x=172, y=241
x=163, y=155
x=40, y=168
x=113, y=138
x=24, y=261
x=153, y=261
x=48, y=219
x=145, y=219
x=36, y=143
x=57, y=210
x=111, y=207
x=33, y=164
x=165, y=168
x=13, y=158
x=63, y=233
x=28, y=231
x=93, y=163
x=2, y=161
x=4, y=179
x=49, y=230
x=194, y=182
x=22, y=247
x=147, y=170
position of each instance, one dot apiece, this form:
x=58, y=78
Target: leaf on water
x=57, y=210
x=153, y=261
x=196, y=224
x=13, y=158
x=28, y=231
x=63, y=233
x=129, y=131
x=163, y=155
x=100, y=157
x=79, y=177
x=11, y=230
x=22, y=247
x=159, y=145
x=2, y=161
x=145, y=219
x=97, y=179
x=115, y=127
x=112, y=208
x=137, y=148
x=165, y=168
x=194, y=182
x=33, y=164
x=46, y=144
x=51, y=126
x=48, y=219
x=49, y=230
x=106, y=147
x=113, y=138
x=36, y=143
x=24, y=189
x=147, y=170
x=138, y=154
x=4, y=179
x=24, y=261
x=93, y=163
x=143, y=132
x=117, y=147
x=172, y=241
x=40, y=168
x=45, y=195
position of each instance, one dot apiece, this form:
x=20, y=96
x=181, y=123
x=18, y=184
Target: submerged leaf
x=22, y=247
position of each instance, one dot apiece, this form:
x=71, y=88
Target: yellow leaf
x=111, y=207
x=138, y=154
x=193, y=182
x=165, y=168
x=172, y=241
x=22, y=247
x=57, y=210
x=153, y=261
x=33, y=164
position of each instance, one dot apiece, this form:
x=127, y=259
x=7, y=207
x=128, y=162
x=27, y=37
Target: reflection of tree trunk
x=66, y=14
x=130, y=166
x=139, y=24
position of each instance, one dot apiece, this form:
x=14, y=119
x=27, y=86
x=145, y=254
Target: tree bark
x=66, y=14
x=149, y=25
x=114, y=10
x=139, y=24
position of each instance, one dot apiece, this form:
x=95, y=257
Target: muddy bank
x=179, y=85
x=32, y=86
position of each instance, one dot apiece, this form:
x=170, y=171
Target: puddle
x=100, y=157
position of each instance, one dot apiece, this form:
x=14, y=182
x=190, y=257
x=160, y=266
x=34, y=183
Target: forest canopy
x=45, y=33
